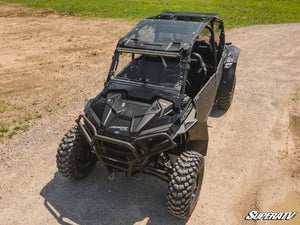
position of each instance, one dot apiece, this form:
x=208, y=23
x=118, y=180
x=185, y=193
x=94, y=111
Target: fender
x=197, y=132
x=228, y=73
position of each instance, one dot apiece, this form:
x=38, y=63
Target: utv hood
x=115, y=115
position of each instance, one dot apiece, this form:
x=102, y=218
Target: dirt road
x=252, y=161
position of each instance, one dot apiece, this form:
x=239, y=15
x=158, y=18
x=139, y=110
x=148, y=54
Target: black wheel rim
x=85, y=158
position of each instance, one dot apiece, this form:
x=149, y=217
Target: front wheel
x=74, y=157
x=185, y=184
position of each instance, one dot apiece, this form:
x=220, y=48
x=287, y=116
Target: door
x=205, y=98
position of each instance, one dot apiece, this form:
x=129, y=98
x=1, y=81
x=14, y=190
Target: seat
x=204, y=48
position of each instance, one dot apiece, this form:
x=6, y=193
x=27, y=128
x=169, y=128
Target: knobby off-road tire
x=224, y=102
x=185, y=184
x=74, y=157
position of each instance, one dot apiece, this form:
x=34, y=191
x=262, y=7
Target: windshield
x=157, y=70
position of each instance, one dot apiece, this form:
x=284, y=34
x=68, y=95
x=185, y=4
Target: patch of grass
x=233, y=12
x=22, y=128
x=8, y=130
x=28, y=117
x=3, y=106
x=15, y=107
x=11, y=134
x=71, y=38
x=48, y=108
x=295, y=120
x=38, y=116
x=11, y=126
x=296, y=96
x=7, y=106
x=3, y=128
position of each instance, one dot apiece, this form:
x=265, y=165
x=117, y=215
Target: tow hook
x=111, y=176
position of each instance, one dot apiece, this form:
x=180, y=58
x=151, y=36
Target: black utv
x=166, y=75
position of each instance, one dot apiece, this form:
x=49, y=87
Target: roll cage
x=186, y=51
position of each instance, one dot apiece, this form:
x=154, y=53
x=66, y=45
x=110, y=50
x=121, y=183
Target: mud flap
x=198, y=138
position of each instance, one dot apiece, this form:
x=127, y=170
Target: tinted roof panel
x=186, y=16
x=165, y=31
x=169, y=31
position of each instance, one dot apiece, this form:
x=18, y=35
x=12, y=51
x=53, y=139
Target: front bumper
x=130, y=157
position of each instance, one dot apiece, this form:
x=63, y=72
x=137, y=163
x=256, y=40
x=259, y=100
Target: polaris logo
x=119, y=128
x=254, y=215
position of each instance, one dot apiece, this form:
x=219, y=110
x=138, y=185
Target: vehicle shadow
x=97, y=200
x=216, y=113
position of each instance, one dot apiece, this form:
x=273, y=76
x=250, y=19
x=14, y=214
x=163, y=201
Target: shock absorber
x=165, y=161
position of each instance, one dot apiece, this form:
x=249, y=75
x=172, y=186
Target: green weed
x=3, y=128
x=48, y=108
x=38, y=116
x=22, y=128
x=11, y=134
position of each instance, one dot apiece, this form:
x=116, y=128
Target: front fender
x=197, y=133
x=228, y=73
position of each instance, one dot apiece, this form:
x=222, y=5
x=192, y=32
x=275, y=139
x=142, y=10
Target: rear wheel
x=185, y=184
x=74, y=157
x=224, y=102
